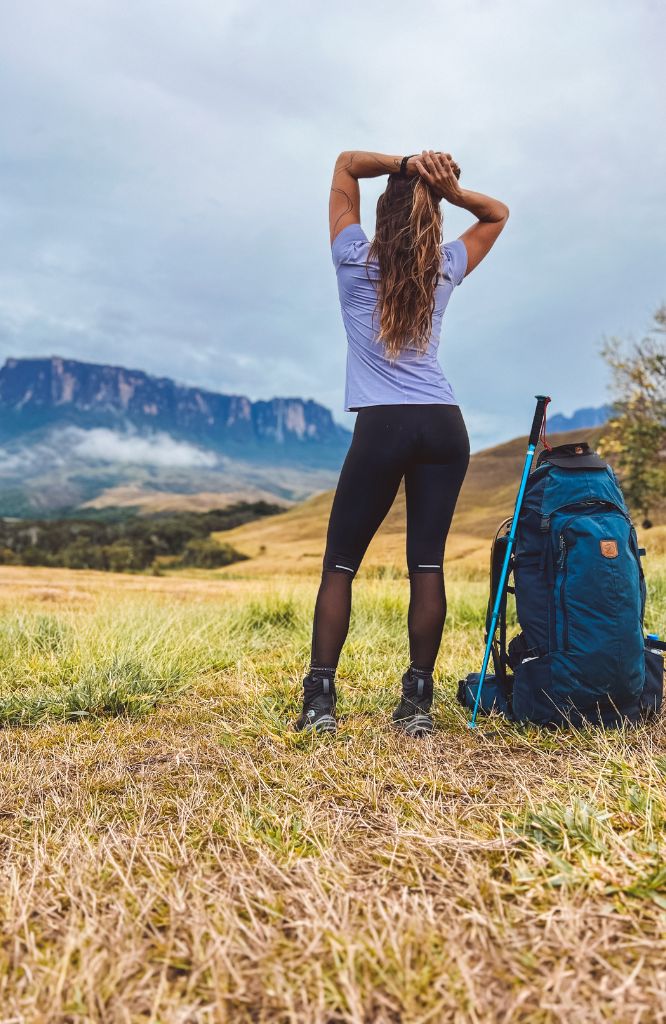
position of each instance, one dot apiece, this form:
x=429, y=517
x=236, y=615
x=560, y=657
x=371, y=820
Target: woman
x=393, y=293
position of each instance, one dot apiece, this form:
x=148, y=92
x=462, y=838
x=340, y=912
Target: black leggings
x=429, y=447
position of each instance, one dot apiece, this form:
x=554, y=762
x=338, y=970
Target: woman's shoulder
x=350, y=245
x=454, y=258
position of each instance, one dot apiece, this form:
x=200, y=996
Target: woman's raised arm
x=345, y=202
x=492, y=214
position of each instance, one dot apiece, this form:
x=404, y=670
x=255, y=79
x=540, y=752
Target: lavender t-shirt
x=415, y=377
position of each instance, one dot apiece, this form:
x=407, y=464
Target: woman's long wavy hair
x=407, y=246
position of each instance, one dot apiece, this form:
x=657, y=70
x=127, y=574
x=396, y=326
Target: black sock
x=318, y=674
x=417, y=684
x=416, y=670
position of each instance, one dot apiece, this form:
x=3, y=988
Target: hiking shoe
x=318, y=714
x=412, y=714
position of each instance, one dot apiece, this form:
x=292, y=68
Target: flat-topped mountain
x=35, y=393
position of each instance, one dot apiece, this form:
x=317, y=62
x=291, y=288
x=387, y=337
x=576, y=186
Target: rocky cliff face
x=38, y=393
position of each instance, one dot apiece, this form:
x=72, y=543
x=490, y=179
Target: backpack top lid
x=572, y=456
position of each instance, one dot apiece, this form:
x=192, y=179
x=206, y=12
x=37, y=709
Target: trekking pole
x=537, y=423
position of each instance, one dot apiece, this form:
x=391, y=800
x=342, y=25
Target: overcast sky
x=165, y=166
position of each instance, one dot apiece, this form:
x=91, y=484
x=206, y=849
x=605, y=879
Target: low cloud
x=13, y=462
x=154, y=450
x=103, y=445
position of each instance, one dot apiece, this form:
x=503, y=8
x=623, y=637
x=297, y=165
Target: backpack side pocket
x=653, y=691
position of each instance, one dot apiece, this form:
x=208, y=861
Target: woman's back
x=415, y=376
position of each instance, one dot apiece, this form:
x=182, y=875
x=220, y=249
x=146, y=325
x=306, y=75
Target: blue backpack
x=581, y=656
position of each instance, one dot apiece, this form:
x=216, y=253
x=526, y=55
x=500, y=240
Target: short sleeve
x=456, y=254
x=348, y=245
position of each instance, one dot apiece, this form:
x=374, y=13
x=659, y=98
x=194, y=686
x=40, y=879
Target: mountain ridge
x=43, y=391
x=587, y=418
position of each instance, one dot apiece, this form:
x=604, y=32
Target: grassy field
x=172, y=853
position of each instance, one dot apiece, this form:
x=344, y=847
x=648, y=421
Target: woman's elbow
x=499, y=216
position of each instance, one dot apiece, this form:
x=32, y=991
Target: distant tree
x=78, y=555
x=205, y=553
x=636, y=434
x=121, y=557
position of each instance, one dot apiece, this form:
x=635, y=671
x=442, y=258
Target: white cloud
x=102, y=445
x=14, y=462
x=152, y=450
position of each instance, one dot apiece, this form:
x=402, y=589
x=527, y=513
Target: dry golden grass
x=193, y=861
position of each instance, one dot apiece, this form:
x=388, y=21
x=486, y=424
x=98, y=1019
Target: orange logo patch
x=608, y=548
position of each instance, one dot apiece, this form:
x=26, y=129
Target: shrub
x=205, y=553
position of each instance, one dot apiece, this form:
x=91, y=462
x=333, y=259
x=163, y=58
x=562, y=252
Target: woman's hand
x=441, y=172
